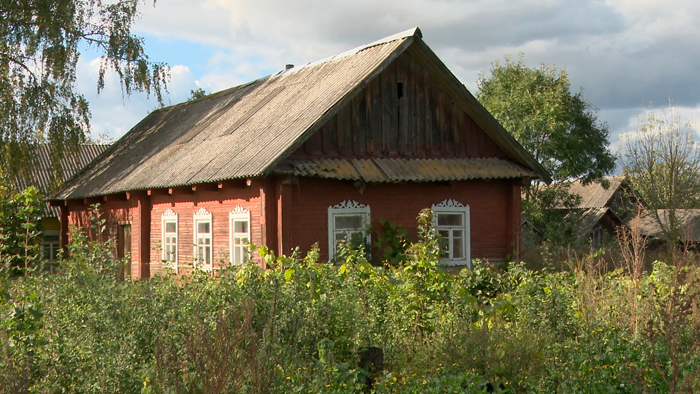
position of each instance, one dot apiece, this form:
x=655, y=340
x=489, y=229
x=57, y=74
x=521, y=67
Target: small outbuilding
x=312, y=154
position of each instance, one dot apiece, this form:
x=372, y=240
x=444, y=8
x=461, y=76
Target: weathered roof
x=43, y=175
x=594, y=195
x=688, y=224
x=587, y=219
x=249, y=130
x=401, y=170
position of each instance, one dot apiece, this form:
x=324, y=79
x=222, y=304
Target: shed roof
x=249, y=130
x=401, y=170
x=688, y=223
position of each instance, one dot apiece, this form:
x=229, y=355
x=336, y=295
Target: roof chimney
x=288, y=67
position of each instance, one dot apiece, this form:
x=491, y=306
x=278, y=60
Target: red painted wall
x=490, y=211
x=114, y=212
x=494, y=208
x=219, y=203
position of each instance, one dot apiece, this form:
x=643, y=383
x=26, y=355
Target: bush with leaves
x=300, y=327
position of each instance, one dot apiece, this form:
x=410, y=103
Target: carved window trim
x=453, y=207
x=347, y=208
x=238, y=239
x=203, y=255
x=167, y=242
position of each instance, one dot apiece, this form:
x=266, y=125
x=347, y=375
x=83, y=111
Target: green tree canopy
x=662, y=161
x=39, y=51
x=558, y=127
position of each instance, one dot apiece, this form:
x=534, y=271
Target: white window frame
x=238, y=214
x=169, y=216
x=53, y=245
x=451, y=206
x=203, y=216
x=346, y=208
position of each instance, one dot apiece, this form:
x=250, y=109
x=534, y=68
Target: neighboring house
x=601, y=210
x=312, y=154
x=618, y=196
x=651, y=228
x=48, y=178
x=594, y=225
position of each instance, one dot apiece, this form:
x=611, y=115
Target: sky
x=624, y=55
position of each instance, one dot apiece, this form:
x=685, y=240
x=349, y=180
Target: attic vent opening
x=399, y=90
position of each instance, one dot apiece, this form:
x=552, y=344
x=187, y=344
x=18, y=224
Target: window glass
x=346, y=222
x=50, y=244
x=170, y=227
x=203, y=227
x=240, y=226
x=449, y=219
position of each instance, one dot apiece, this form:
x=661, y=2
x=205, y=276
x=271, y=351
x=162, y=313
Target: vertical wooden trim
x=144, y=239
x=402, y=76
x=65, y=215
x=283, y=216
x=269, y=211
x=390, y=111
x=515, y=212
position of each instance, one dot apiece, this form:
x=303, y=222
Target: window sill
x=454, y=263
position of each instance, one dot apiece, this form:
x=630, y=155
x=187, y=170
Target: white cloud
x=113, y=112
x=624, y=53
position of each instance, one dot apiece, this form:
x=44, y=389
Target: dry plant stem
x=633, y=246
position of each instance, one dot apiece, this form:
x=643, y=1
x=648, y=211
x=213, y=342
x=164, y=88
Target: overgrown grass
x=297, y=328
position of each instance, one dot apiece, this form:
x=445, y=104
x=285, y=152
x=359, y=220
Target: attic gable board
x=402, y=112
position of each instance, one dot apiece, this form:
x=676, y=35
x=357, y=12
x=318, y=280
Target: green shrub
x=299, y=327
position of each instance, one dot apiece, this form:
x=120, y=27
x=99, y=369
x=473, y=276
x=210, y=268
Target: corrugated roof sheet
x=43, y=175
x=594, y=195
x=230, y=134
x=248, y=130
x=406, y=170
x=688, y=223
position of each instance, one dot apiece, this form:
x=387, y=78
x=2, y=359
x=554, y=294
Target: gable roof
x=594, y=195
x=247, y=131
x=587, y=219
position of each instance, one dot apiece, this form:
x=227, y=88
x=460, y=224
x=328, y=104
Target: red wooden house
x=311, y=154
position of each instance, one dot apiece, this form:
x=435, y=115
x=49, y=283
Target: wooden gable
x=405, y=113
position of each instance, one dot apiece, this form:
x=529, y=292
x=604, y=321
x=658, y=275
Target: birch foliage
x=39, y=50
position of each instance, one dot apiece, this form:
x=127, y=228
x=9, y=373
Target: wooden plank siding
x=403, y=112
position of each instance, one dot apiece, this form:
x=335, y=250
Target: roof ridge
x=412, y=32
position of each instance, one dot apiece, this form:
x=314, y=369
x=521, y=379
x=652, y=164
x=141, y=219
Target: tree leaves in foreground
x=558, y=127
x=662, y=161
x=39, y=52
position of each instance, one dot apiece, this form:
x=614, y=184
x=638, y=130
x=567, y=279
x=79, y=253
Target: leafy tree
x=197, y=94
x=39, y=51
x=662, y=161
x=558, y=127
x=20, y=232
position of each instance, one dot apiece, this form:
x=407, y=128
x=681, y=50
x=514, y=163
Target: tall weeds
x=300, y=327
